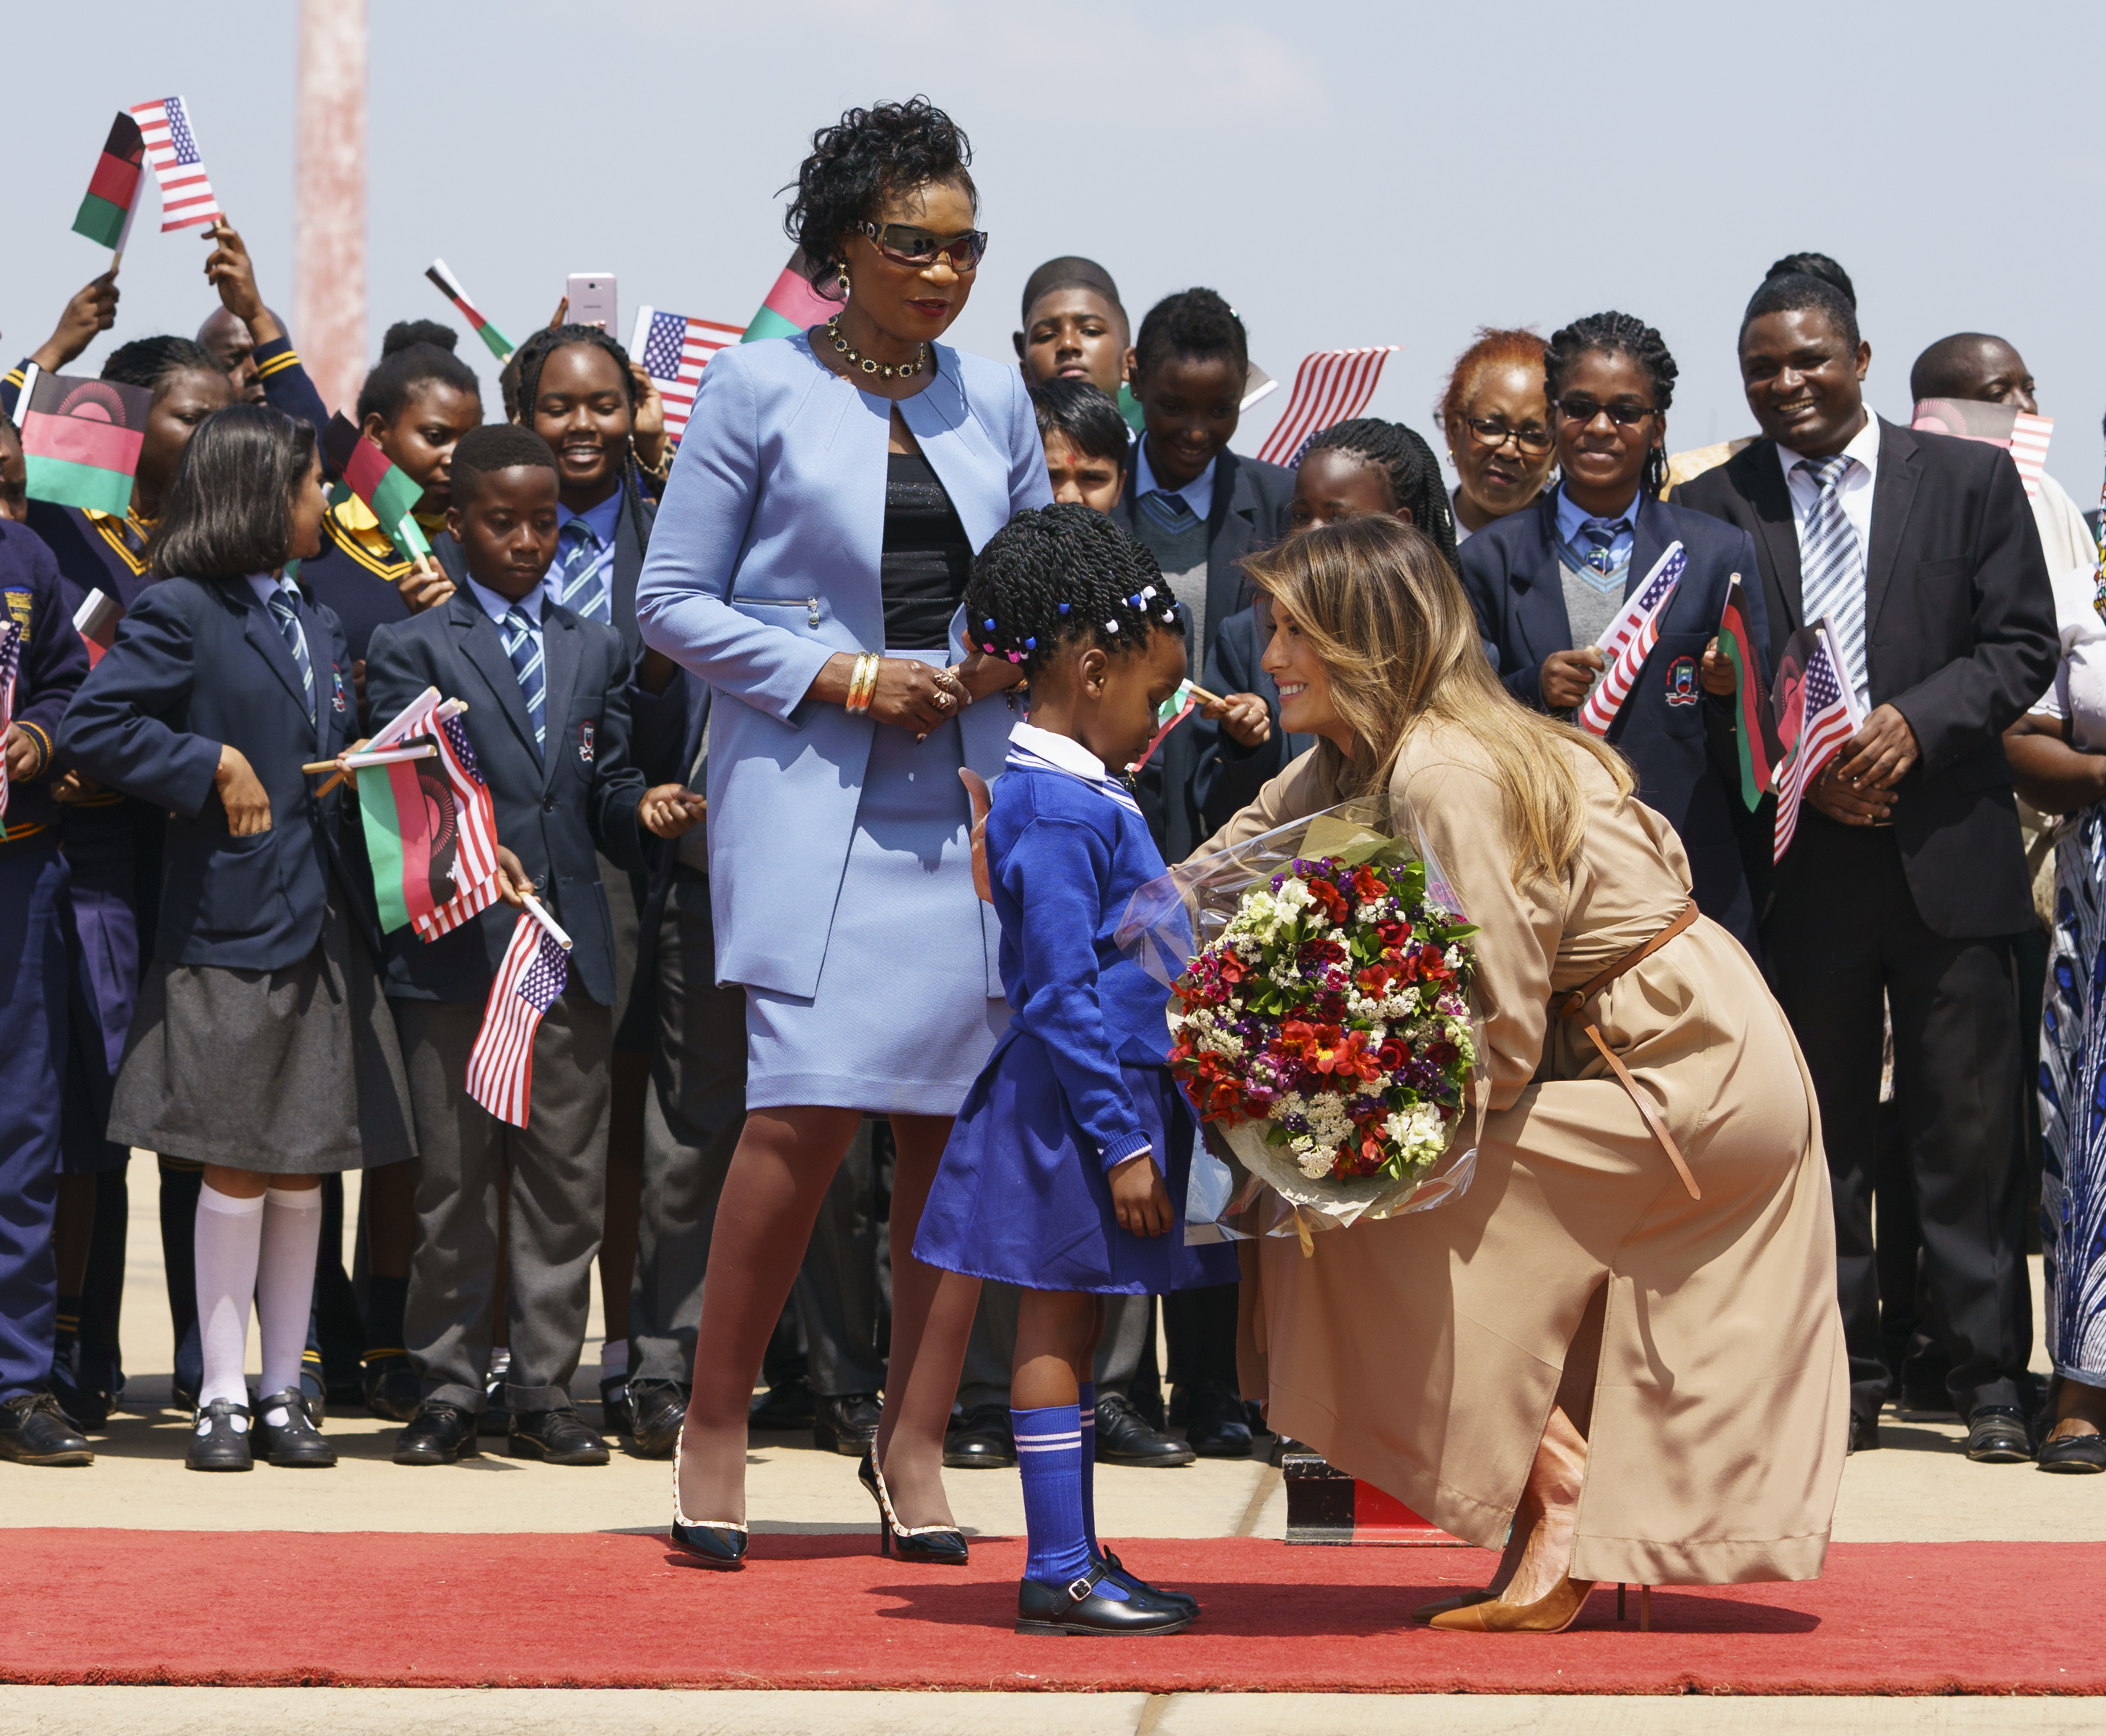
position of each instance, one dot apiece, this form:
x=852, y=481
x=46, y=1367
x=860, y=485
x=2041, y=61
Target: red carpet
x=378, y=1609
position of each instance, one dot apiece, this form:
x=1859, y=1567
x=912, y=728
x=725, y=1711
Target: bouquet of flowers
x=1322, y=1025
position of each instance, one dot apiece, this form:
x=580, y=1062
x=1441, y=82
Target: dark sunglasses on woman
x=904, y=245
x=1586, y=410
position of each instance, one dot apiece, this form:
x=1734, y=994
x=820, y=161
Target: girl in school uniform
x=261, y=1047
x=1065, y=1173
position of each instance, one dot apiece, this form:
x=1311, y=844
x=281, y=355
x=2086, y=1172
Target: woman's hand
x=976, y=792
x=671, y=810
x=1244, y=717
x=1568, y=677
x=241, y=794
x=1140, y=1198
x=513, y=882
x=913, y=695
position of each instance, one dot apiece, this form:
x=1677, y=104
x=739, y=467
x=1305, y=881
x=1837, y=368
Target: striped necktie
x=1169, y=510
x=1832, y=567
x=583, y=587
x=1598, y=539
x=288, y=624
x=523, y=647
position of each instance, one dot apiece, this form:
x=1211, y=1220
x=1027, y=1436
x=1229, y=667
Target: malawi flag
x=793, y=305
x=80, y=439
x=450, y=286
x=431, y=829
x=383, y=485
x=1761, y=750
x=113, y=190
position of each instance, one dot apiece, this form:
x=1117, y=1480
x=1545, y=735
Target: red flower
x=1329, y=899
x=1368, y=884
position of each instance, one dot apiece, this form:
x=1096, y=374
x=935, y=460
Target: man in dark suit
x=1906, y=877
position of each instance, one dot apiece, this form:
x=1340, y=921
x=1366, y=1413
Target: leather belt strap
x=1569, y=1006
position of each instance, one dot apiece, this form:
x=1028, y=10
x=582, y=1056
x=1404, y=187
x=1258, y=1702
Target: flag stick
x=1203, y=695
x=379, y=756
x=451, y=708
x=534, y=910
x=386, y=737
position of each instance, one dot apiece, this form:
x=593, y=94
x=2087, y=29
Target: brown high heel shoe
x=1552, y=1613
x=1460, y=1600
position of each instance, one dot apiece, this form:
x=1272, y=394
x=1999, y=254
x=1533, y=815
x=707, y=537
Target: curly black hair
x=1057, y=574
x=860, y=161
x=151, y=363
x=1193, y=322
x=532, y=356
x=1409, y=467
x=1619, y=334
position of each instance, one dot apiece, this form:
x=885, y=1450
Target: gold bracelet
x=660, y=470
x=862, y=683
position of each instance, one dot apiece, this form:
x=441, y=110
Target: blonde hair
x=1387, y=619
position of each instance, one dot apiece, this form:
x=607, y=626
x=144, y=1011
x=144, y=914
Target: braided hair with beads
x=1409, y=466
x=1059, y=576
x=1617, y=334
x=526, y=367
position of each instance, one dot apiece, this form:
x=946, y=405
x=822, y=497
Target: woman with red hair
x=1498, y=426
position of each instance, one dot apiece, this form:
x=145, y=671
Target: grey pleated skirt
x=293, y=1071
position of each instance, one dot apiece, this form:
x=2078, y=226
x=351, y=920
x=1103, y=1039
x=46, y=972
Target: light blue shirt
x=600, y=520
x=497, y=608
x=1197, y=493
x=1571, y=518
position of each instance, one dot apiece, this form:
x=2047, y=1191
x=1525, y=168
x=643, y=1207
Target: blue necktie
x=288, y=624
x=1596, y=534
x=583, y=588
x=525, y=650
x=1832, y=567
x=1169, y=510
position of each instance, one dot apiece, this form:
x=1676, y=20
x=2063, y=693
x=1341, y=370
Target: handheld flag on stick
x=96, y=621
x=1629, y=641
x=1331, y=385
x=10, y=661
x=1757, y=730
x=674, y=348
x=384, y=487
x=450, y=286
x=81, y=439
x=113, y=190
x=1816, y=713
x=172, y=148
x=431, y=829
x=2019, y=432
x=532, y=974
x=791, y=306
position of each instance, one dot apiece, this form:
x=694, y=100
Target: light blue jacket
x=764, y=563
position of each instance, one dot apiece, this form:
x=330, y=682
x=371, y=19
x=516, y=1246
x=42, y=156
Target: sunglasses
x=1488, y=432
x=1586, y=410
x=904, y=245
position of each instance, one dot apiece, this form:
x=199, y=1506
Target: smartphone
x=592, y=300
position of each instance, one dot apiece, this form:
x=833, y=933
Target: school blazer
x=553, y=808
x=1249, y=511
x=197, y=663
x=1960, y=639
x=764, y=563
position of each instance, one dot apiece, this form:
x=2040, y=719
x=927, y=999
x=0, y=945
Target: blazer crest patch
x=585, y=741
x=1682, y=688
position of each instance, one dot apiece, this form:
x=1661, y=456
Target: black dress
x=926, y=558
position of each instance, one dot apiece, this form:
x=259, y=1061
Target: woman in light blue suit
x=807, y=562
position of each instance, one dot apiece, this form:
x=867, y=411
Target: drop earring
x=842, y=283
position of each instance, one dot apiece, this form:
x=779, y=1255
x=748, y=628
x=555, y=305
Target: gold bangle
x=862, y=683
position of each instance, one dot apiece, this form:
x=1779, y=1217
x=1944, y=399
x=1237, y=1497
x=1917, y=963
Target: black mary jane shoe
x=219, y=1438
x=2073, y=1454
x=1079, y=1609
x=933, y=1546
x=295, y=1441
x=719, y=1544
x=1134, y=1581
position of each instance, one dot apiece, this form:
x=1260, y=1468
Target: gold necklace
x=856, y=359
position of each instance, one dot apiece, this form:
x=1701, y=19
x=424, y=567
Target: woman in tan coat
x=1618, y=1355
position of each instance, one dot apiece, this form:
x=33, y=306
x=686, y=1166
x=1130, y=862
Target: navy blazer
x=1250, y=509
x=53, y=663
x=552, y=809
x=1679, y=741
x=198, y=663
x=1227, y=775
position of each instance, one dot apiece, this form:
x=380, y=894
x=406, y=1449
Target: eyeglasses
x=904, y=245
x=1487, y=431
x=1586, y=410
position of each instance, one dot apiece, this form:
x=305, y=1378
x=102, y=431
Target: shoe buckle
x=1079, y=1589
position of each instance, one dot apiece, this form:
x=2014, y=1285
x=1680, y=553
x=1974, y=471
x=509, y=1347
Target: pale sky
x=1346, y=174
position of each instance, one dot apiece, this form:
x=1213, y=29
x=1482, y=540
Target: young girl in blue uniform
x=1066, y=1170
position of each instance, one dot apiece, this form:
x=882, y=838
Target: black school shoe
x=1997, y=1434
x=1124, y=1437
x=34, y=1430
x=219, y=1438
x=1124, y=1576
x=1215, y=1422
x=846, y=1424
x=559, y=1437
x=982, y=1439
x=389, y=1385
x=294, y=1444
x=439, y=1434
x=782, y=1408
x=659, y=1407
x=1080, y=1610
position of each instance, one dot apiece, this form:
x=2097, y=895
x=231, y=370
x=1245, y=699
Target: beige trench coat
x=1698, y=1343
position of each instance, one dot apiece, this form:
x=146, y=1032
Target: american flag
x=475, y=847
x=1629, y=640
x=1826, y=715
x=11, y=661
x=2030, y=435
x=501, y=1066
x=172, y=148
x=674, y=348
x=1331, y=385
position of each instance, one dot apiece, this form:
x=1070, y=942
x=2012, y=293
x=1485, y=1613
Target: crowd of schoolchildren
x=197, y=968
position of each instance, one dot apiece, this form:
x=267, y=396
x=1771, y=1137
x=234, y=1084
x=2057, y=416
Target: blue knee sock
x=1049, y=1460
x=1088, y=1407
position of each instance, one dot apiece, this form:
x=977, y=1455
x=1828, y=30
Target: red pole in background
x=329, y=217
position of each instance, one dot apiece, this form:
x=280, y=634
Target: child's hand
x=669, y=810
x=25, y=754
x=1717, y=673
x=647, y=430
x=241, y=794
x=976, y=792
x=423, y=587
x=513, y=882
x=1138, y=1196
x=1243, y=716
x=230, y=271
x=980, y=674
x=92, y=311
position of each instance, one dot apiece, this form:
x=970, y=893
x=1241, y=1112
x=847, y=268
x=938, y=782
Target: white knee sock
x=285, y=1283
x=229, y=1232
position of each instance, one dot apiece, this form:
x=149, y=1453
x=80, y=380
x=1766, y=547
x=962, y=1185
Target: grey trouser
x=991, y=1352
x=556, y=1165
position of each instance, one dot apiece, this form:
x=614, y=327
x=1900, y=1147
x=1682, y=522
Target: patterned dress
x=2072, y=1094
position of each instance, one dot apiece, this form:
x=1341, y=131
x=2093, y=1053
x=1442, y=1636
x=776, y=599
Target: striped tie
x=525, y=650
x=1832, y=568
x=1169, y=510
x=288, y=624
x=583, y=588
x=1599, y=536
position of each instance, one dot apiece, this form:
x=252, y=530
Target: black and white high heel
x=715, y=1543
x=938, y=1545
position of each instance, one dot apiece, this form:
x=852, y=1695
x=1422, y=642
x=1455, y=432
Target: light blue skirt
x=902, y=1023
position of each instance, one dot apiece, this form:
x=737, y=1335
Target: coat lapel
x=262, y=632
x=1231, y=529
x=1540, y=621
x=1893, y=492
x=559, y=676
x=628, y=568
x=1761, y=478
x=484, y=648
x=1649, y=541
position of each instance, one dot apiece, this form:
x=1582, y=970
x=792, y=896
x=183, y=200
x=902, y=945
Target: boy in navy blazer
x=548, y=716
